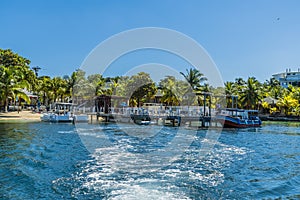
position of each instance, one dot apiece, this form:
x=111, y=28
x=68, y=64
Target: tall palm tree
x=250, y=95
x=71, y=81
x=31, y=78
x=193, y=77
x=230, y=91
x=80, y=87
x=54, y=87
x=62, y=91
x=44, y=89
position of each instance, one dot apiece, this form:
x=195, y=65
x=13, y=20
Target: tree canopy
x=17, y=77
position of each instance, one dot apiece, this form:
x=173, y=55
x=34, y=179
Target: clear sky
x=244, y=38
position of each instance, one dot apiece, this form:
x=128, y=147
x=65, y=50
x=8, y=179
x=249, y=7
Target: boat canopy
x=63, y=104
x=240, y=110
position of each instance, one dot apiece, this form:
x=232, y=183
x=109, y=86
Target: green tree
x=44, y=89
x=10, y=59
x=194, y=77
x=112, y=84
x=56, y=86
x=97, y=84
x=140, y=86
x=250, y=94
x=240, y=82
x=121, y=88
x=32, y=80
x=10, y=88
x=173, y=90
x=81, y=88
x=72, y=81
x=230, y=92
x=296, y=94
x=15, y=76
x=287, y=103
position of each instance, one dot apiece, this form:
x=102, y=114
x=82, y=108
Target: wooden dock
x=173, y=120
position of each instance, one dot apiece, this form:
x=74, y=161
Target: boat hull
x=50, y=117
x=233, y=122
x=81, y=118
x=141, y=119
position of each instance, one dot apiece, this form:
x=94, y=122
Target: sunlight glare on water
x=49, y=161
x=119, y=170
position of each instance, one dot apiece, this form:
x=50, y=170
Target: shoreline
x=29, y=116
x=280, y=118
x=21, y=117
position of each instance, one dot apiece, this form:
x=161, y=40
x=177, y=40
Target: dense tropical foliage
x=17, y=80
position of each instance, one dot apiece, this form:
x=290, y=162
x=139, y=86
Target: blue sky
x=244, y=38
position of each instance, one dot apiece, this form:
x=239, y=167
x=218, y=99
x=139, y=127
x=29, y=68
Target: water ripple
x=49, y=161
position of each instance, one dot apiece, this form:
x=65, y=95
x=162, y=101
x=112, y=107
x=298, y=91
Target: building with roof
x=288, y=78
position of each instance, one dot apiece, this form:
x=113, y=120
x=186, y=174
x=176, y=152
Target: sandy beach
x=22, y=116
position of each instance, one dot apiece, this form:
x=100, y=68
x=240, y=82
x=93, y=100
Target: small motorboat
x=62, y=112
x=141, y=117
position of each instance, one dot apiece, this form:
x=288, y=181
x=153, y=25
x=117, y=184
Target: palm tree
x=15, y=75
x=62, y=91
x=31, y=78
x=95, y=84
x=122, y=85
x=173, y=90
x=71, y=81
x=80, y=87
x=287, y=103
x=275, y=92
x=44, y=89
x=55, y=86
x=194, y=78
x=272, y=82
x=170, y=98
x=10, y=88
x=113, y=84
x=240, y=82
x=230, y=91
x=250, y=95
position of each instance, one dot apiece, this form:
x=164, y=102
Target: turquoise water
x=61, y=161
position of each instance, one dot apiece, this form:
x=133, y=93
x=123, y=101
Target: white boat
x=63, y=112
x=81, y=118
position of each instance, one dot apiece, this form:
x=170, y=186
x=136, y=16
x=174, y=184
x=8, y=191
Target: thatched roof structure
x=270, y=100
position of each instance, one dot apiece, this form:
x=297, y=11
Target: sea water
x=126, y=161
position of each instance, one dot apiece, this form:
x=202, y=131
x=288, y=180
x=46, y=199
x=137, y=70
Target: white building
x=288, y=78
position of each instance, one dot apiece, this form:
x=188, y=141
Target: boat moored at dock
x=62, y=112
x=141, y=117
x=238, y=118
